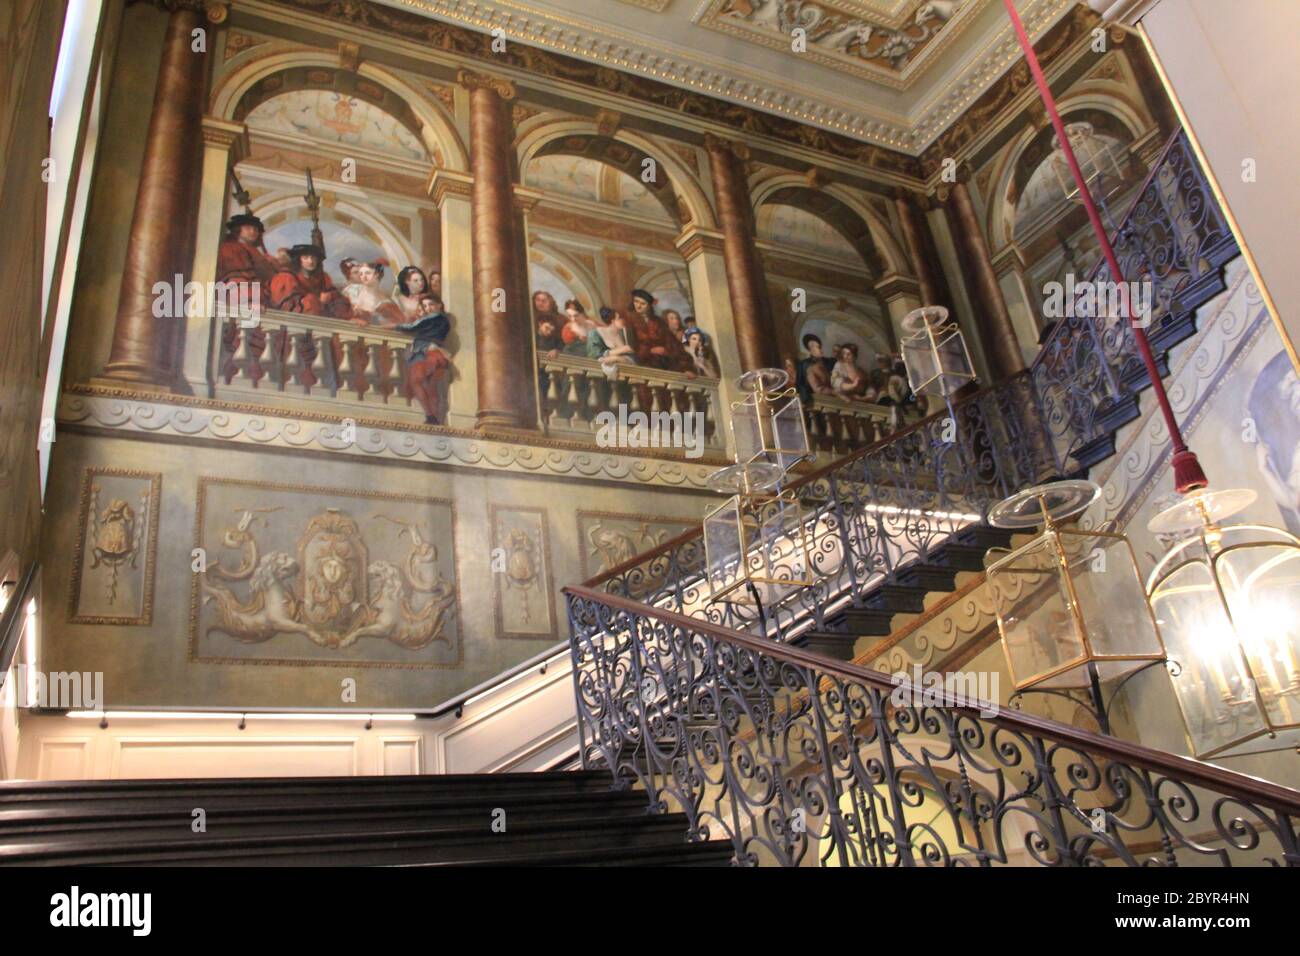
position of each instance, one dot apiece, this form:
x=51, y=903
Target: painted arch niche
x=337, y=118
x=793, y=228
x=579, y=177
x=1041, y=182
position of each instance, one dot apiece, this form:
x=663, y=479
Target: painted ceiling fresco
x=336, y=118
x=794, y=228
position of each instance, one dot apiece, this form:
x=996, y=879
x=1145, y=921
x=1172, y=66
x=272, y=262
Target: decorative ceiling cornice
x=649, y=77
x=409, y=25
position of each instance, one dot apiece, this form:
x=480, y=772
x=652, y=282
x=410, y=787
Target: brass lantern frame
x=1212, y=553
x=746, y=585
x=930, y=332
x=1054, y=533
x=763, y=444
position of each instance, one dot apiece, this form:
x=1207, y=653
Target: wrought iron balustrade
x=803, y=761
x=891, y=504
x=1175, y=240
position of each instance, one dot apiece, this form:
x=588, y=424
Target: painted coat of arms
x=355, y=583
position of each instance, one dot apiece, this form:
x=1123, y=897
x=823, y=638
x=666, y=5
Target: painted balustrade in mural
x=578, y=398
x=800, y=760
x=315, y=357
x=839, y=426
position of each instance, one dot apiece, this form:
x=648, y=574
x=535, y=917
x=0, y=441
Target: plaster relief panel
x=610, y=538
x=296, y=574
x=522, y=592
x=113, y=566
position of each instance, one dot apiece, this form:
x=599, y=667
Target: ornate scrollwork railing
x=888, y=506
x=1175, y=241
x=800, y=760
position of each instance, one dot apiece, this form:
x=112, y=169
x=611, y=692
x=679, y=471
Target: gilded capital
x=472, y=80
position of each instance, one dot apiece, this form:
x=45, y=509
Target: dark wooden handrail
x=1184, y=769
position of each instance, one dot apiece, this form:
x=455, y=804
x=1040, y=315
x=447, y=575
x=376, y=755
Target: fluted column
x=161, y=243
x=751, y=311
x=502, y=317
x=994, y=321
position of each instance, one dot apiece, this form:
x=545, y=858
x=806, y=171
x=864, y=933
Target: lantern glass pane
x=789, y=434
x=921, y=361
x=1209, y=674
x=747, y=429
x=779, y=546
x=1261, y=583
x=937, y=361
x=723, y=546
x=1112, y=602
x=1039, y=632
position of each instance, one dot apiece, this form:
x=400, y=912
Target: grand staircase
x=523, y=819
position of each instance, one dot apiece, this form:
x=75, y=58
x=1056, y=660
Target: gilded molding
x=473, y=80
x=444, y=183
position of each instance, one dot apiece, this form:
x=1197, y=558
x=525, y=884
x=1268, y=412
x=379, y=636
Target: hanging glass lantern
x=934, y=352
x=1070, y=604
x=756, y=543
x=1097, y=161
x=757, y=550
x=1228, y=602
x=767, y=425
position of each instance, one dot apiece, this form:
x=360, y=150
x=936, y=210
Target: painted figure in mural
x=848, y=379
x=545, y=307
x=656, y=346
x=612, y=342
x=369, y=305
x=576, y=328
x=813, y=374
x=676, y=331
x=427, y=360
x=410, y=290
x=1274, y=407
x=305, y=287
x=549, y=341
x=242, y=258
x=700, y=349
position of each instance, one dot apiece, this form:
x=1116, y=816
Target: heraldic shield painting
x=291, y=574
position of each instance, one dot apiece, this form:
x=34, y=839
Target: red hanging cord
x=1188, y=475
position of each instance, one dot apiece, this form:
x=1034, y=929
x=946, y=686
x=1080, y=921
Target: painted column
x=711, y=299
x=224, y=145
x=161, y=243
x=502, y=315
x=930, y=285
x=750, y=308
x=994, y=321
x=1009, y=264
x=618, y=277
x=900, y=295
x=455, y=259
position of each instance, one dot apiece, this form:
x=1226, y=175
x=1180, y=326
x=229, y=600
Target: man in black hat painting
x=656, y=345
x=241, y=257
x=304, y=286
